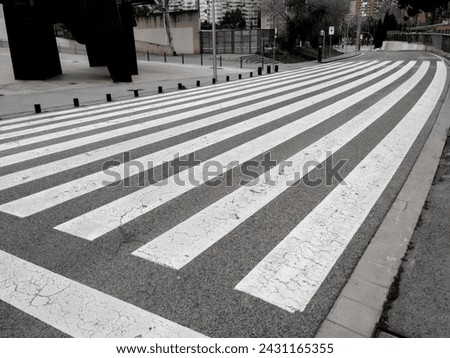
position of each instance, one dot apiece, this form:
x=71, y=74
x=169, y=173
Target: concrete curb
x=343, y=57
x=359, y=306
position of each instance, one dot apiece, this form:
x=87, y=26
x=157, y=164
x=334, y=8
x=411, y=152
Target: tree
x=161, y=6
x=390, y=22
x=205, y=25
x=414, y=7
x=301, y=18
x=380, y=35
x=233, y=19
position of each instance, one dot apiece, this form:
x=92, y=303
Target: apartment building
x=251, y=10
x=372, y=8
x=183, y=5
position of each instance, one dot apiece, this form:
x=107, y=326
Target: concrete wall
x=151, y=36
x=418, y=41
x=142, y=46
x=3, y=36
x=70, y=44
x=403, y=46
x=183, y=38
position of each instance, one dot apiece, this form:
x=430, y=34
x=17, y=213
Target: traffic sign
x=331, y=30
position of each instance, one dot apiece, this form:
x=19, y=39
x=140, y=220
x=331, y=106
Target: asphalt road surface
x=236, y=210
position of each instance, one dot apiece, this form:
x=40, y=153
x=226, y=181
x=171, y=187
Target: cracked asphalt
x=201, y=296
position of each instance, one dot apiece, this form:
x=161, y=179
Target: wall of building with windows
x=251, y=10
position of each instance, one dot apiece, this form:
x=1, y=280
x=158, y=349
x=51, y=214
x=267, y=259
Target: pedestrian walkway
x=90, y=85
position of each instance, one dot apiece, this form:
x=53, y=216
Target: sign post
x=331, y=33
x=213, y=13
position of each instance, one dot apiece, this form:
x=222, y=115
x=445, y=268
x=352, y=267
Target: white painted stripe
x=108, y=217
x=98, y=108
x=145, y=103
x=76, y=309
x=293, y=271
x=139, y=112
x=56, y=195
x=63, y=146
x=153, y=123
x=178, y=246
x=27, y=175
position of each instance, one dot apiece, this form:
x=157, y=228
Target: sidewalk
x=419, y=299
x=90, y=85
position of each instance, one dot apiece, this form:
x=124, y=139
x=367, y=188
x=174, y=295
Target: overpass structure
x=104, y=26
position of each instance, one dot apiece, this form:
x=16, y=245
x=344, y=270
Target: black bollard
x=160, y=89
x=76, y=102
x=37, y=108
x=276, y=68
x=269, y=70
x=259, y=71
x=136, y=93
x=108, y=98
x=198, y=83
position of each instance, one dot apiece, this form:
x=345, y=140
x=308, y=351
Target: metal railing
x=236, y=41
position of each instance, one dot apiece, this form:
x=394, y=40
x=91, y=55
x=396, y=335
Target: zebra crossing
x=325, y=240
x=178, y=246
x=109, y=217
x=52, y=161
x=133, y=143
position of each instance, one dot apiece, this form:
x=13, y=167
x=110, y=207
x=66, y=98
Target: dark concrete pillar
x=117, y=60
x=32, y=43
x=108, y=37
x=95, y=56
x=128, y=22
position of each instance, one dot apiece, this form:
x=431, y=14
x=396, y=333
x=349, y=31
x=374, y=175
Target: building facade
x=183, y=5
x=251, y=10
x=371, y=8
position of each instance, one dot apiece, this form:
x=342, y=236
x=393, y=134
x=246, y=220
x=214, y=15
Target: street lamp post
x=213, y=13
x=321, y=44
x=346, y=35
x=358, y=30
